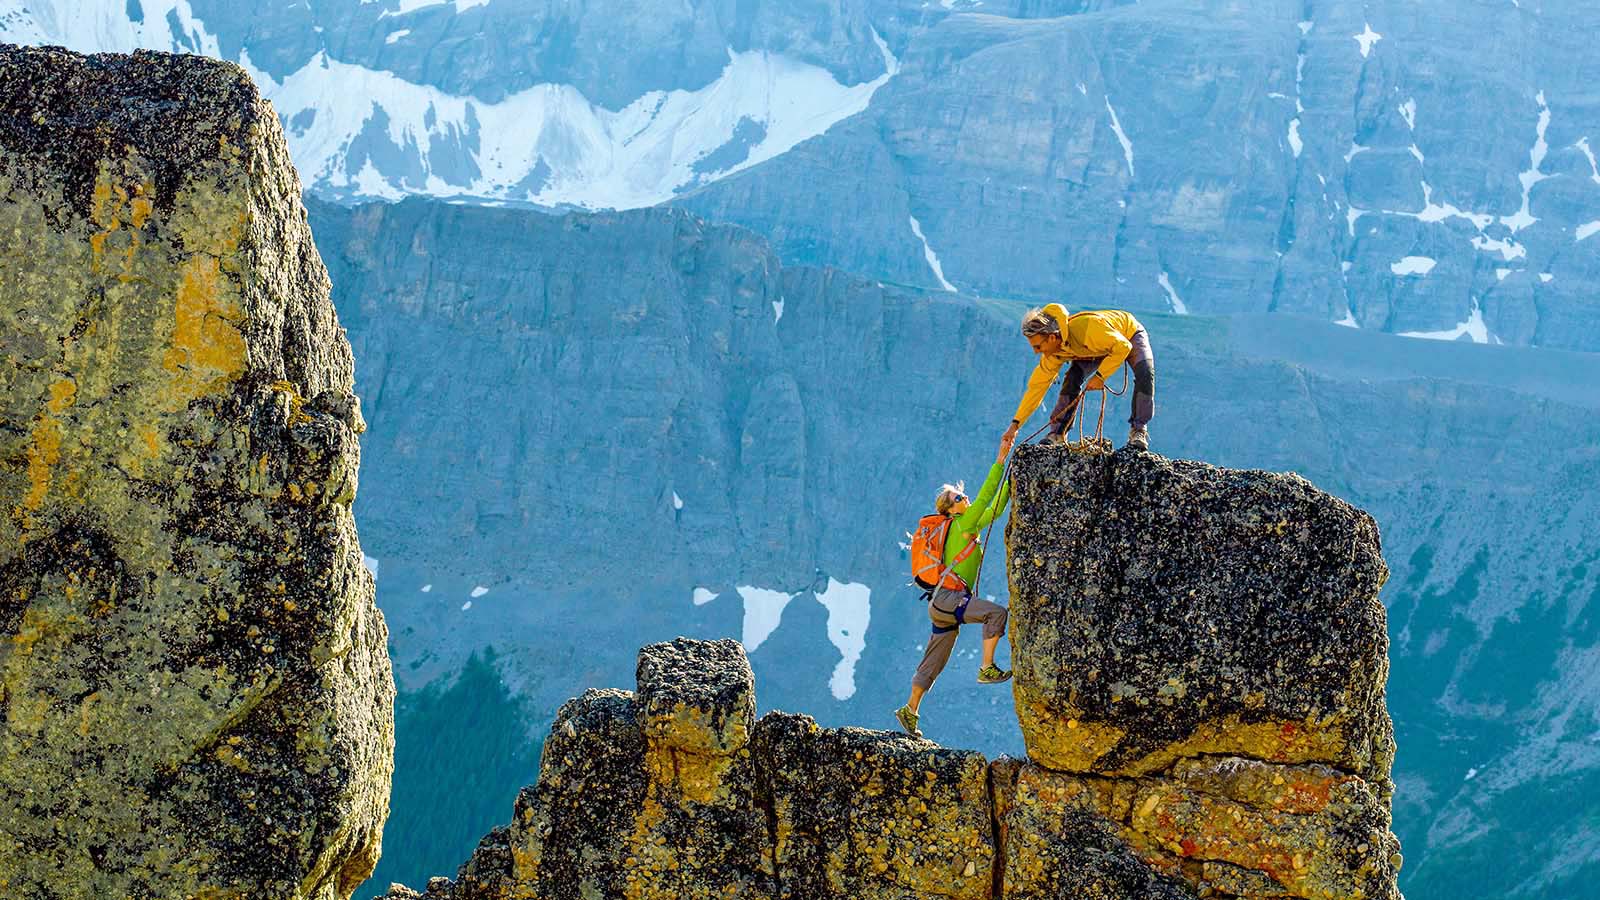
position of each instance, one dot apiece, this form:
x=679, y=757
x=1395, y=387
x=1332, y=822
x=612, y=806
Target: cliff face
x=195, y=694
x=1203, y=706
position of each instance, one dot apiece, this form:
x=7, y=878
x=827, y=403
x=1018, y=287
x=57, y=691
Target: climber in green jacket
x=951, y=603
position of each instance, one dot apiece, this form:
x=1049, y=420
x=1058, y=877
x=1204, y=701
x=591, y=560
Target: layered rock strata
x=195, y=692
x=1200, y=660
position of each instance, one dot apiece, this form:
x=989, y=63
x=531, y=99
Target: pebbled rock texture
x=676, y=791
x=195, y=692
x=1201, y=660
x=1169, y=608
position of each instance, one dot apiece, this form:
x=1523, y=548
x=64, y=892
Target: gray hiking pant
x=942, y=612
x=1143, y=361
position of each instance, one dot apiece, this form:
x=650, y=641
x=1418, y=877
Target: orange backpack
x=928, y=569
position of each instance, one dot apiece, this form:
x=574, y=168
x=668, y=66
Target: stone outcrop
x=676, y=791
x=1200, y=658
x=1200, y=664
x=195, y=694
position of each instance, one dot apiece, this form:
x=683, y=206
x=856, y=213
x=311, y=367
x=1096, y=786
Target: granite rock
x=195, y=690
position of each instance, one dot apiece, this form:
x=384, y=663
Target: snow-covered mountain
x=359, y=129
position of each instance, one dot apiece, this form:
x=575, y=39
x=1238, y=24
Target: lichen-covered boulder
x=1201, y=659
x=195, y=693
x=1163, y=609
x=640, y=795
x=874, y=815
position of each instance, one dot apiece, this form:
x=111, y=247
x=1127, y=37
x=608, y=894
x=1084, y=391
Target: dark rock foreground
x=195, y=693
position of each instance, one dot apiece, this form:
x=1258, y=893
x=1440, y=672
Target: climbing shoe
x=993, y=674
x=908, y=721
x=1138, y=438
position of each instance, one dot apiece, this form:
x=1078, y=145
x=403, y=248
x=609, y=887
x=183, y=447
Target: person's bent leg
x=993, y=618
x=1143, y=360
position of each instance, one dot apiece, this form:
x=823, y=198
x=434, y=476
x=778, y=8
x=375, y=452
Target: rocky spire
x=195, y=693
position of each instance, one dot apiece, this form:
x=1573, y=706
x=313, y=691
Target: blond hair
x=1037, y=321
x=947, y=496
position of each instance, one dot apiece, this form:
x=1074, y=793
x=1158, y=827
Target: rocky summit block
x=195, y=692
x=1200, y=667
x=1163, y=609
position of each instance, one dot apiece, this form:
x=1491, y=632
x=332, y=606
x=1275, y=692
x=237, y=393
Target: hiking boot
x=908, y=721
x=1138, y=438
x=993, y=674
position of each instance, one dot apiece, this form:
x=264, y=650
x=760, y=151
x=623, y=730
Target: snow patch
x=777, y=310
x=1587, y=230
x=479, y=591
x=677, y=502
x=1594, y=168
x=1500, y=274
x=849, y=612
x=1471, y=774
x=703, y=596
x=1349, y=320
x=1414, y=265
x=1507, y=248
x=1522, y=218
x=1473, y=328
x=1366, y=39
x=1127, y=145
x=929, y=255
x=371, y=563
x=1546, y=277
x=1306, y=26
x=1083, y=89
x=466, y=606
x=1408, y=110
x=1417, y=152
x=1172, y=295
x=1350, y=216
x=1355, y=149
x=1294, y=137
x=396, y=35
x=763, y=610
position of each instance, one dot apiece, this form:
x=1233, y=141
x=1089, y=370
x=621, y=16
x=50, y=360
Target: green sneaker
x=993, y=674
x=908, y=721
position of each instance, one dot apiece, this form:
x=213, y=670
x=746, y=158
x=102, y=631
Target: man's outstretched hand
x=1096, y=383
x=1005, y=443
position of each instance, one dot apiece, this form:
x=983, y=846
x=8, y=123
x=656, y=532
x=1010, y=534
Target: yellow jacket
x=1103, y=334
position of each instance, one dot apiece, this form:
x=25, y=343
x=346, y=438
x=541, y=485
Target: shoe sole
x=995, y=680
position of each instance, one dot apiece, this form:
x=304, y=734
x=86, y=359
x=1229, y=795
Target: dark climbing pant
x=1143, y=361
x=942, y=612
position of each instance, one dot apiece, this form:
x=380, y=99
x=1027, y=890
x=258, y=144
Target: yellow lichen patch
x=44, y=449
x=1061, y=738
x=1273, y=741
x=297, y=416
x=207, y=349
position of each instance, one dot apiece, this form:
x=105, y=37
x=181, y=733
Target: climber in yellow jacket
x=1097, y=342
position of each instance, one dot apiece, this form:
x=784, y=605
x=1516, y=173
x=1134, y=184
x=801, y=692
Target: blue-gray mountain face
x=1411, y=167
x=592, y=431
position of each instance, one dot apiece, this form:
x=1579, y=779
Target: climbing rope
x=1099, y=434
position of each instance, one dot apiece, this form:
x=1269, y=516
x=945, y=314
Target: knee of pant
x=999, y=619
x=1144, y=376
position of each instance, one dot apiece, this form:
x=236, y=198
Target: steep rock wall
x=195, y=692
